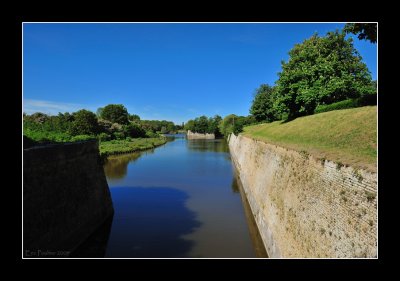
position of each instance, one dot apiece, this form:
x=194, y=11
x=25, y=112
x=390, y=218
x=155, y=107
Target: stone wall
x=306, y=207
x=190, y=135
x=65, y=197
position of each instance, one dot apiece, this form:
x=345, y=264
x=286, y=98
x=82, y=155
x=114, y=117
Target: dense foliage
x=366, y=31
x=234, y=124
x=161, y=126
x=203, y=125
x=322, y=70
x=115, y=113
x=263, y=107
x=84, y=124
x=350, y=103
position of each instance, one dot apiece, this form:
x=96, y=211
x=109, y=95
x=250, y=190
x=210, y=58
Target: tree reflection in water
x=116, y=166
x=217, y=145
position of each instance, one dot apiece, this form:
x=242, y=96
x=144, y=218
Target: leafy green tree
x=213, y=125
x=133, y=130
x=321, y=70
x=365, y=31
x=201, y=124
x=115, y=113
x=134, y=117
x=263, y=104
x=85, y=123
x=189, y=126
x=230, y=124
x=99, y=111
x=38, y=117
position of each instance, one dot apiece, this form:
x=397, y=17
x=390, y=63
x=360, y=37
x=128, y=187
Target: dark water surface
x=178, y=200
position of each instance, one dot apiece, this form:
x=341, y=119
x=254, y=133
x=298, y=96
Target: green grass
x=347, y=136
x=125, y=146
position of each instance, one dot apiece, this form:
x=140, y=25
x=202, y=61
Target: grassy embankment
x=126, y=146
x=347, y=136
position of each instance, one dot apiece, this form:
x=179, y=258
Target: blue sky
x=170, y=71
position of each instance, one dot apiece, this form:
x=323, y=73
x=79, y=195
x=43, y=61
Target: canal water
x=178, y=200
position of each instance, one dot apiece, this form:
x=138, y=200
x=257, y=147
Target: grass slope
x=348, y=136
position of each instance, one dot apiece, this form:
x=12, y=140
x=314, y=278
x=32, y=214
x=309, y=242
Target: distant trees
x=110, y=122
x=321, y=70
x=115, y=113
x=157, y=126
x=204, y=125
x=365, y=31
x=234, y=124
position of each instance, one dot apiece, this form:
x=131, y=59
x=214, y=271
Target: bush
x=104, y=137
x=133, y=130
x=350, y=103
x=119, y=136
x=337, y=105
x=150, y=134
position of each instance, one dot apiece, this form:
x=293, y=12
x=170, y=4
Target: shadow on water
x=235, y=186
x=149, y=222
x=116, y=166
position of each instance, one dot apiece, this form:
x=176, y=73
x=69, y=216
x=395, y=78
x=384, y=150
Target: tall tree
x=322, y=70
x=365, y=31
x=115, y=113
x=85, y=123
x=263, y=104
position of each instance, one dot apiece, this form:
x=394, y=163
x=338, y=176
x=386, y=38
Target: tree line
x=220, y=127
x=110, y=122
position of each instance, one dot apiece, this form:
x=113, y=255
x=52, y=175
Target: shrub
x=150, y=134
x=119, y=135
x=350, y=103
x=133, y=130
x=369, y=99
x=104, y=137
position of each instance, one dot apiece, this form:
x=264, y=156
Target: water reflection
x=175, y=136
x=116, y=166
x=234, y=185
x=149, y=222
x=217, y=145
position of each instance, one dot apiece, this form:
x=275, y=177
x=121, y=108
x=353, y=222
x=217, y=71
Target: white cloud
x=49, y=107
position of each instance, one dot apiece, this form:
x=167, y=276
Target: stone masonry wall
x=190, y=135
x=305, y=207
x=65, y=196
